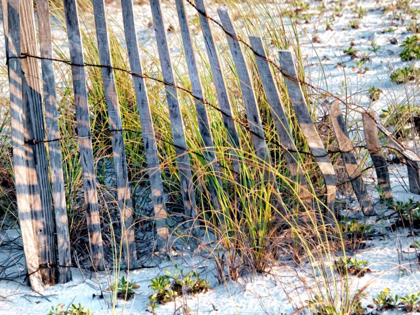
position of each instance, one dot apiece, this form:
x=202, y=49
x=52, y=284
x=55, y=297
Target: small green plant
x=355, y=24
x=374, y=47
x=351, y=51
x=320, y=307
x=386, y=300
x=405, y=209
x=411, y=49
x=414, y=27
x=410, y=302
x=125, y=289
x=355, y=229
x=352, y=266
x=317, y=305
x=360, y=12
x=374, y=93
x=404, y=75
x=73, y=309
x=415, y=245
x=388, y=30
x=167, y=287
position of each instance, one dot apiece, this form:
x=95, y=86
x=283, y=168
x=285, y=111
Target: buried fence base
x=413, y=169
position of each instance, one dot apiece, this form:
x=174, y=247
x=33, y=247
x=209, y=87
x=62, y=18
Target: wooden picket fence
x=39, y=175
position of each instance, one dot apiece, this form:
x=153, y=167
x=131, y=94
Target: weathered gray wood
x=203, y=119
x=21, y=152
x=349, y=158
x=280, y=117
x=219, y=83
x=413, y=161
x=372, y=143
x=307, y=126
x=84, y=135
x=148, y=131
x=252, y=111
x=53, y=131
x=5, y=26
x=115, y=124
x=32, y=100
x=177, y=125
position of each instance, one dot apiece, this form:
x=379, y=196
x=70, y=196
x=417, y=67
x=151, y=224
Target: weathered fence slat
x=21, y=152
x=120, y=163
x=413, y=161
x=219, y=82
x=372, y=144
x=177, y=125
x=252, y=111
x=53, y=132
x=349, y=159
x=84, y=134
x=203, y=119
x=307, y=126
x=148, y=131
x=280, y=117
x=32, y=100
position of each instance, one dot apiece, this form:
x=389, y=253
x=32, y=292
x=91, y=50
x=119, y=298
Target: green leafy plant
x=355, y=24
x=404, y=75
x=411, y=49
x=351, y=51
x=406, y=210
x=352, y=266
x=320, y=307
x=374, y=47
x=125, y=289
x=168, y=287
x=374, y=93
x=355, y=229
x=410, y=302
x=73, y=309
x=386, y=300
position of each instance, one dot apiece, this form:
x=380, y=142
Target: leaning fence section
x=36, y=147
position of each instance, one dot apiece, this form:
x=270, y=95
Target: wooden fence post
x=32, y=100
x=177, y=125
x=148, y=131
x=252, y=111
x=307, y=126
x=53, y=131
x=280, y=117
x=117, y=139
x=372, y=143
x=219, y=83
x=413, y=161
x=21, y=151
x=349, y=159
x=203, y=120
x=84, y=134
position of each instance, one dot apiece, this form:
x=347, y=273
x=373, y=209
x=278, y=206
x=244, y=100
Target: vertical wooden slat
x=21, y=152
x=84, y=135
x=413, y=160
x=203, y=120
x=219, y=83
x=5, y=26
x=372, y=143
x=307, y=126
x=32, y=100
x=349, y=159
x=177, y=125
x=252, y=111
x=279, y=116
x=148, y=131
x=115, y=124
x=53, y=131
